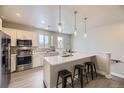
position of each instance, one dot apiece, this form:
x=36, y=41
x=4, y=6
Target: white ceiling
x=33, y=15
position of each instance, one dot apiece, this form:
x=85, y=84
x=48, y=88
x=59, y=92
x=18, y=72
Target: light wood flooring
x=33, y=78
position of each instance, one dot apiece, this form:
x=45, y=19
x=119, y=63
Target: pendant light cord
x=75, y=12
x=59, y=13
x=85, y=23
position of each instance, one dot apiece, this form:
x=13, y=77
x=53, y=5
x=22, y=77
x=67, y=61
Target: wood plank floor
x=27, y=79
x=33, y=78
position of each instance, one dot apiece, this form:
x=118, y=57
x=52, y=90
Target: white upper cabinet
x=20, y=34
x=34, y=39
x=27, y=35
x=12, y=34
x=0, y=24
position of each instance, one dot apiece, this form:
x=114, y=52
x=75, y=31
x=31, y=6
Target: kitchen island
x=53, y=64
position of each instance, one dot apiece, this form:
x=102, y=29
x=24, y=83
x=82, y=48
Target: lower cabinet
x=37, y=60
x=13, y=62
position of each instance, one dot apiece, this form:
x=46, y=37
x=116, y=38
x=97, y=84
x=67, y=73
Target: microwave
x=24, y=42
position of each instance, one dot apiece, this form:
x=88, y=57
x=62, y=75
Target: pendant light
x=59, y=23
x=75, y=28
x=85, y=31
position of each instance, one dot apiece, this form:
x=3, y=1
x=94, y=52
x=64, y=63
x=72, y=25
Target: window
x=46, y=42
x=60, y=42
x=43, y=41
x=51, y=41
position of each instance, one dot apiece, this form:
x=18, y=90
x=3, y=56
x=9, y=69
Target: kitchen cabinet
x=27, y=35
x=37, y=60
x=21, y=34
x=33, y=36
x=12, y=34
x=13, y=62
x=39, y=57
x=35, y=41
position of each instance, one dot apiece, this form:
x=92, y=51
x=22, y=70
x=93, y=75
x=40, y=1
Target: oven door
x=24, y=63
x=24, y=60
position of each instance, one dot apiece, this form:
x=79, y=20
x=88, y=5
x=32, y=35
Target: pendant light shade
x=60, y=27
x=85, y=35
x=85, y=31
x=75, y=28
x=75, y=33
x=59, y=23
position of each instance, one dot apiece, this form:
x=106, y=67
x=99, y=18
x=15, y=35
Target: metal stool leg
x=57, y=81
x=86, y=75
x=95, y=69
x=91, y=71
x=64, y=83
x=79, y=73
x=72, y=82
x=74, y=73
x=81, y=78
x=88, y=68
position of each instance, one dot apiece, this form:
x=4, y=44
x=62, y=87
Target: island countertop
x=54, y=64
x=54, y=60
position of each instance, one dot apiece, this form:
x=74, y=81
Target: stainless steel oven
x=24, y=55
x=24, y=62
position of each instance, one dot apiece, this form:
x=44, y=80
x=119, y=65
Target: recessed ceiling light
x=43, y=22
x=18, y=14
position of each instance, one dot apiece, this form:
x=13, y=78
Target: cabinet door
x=27, y=35
x=19, y=34
x=13, y=62
x=32, y=36
x=34, y=59
x=37, y=60
x=41, y=57
x=12, y=34
x=34, y=39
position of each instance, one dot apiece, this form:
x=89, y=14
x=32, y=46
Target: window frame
x=43, y=44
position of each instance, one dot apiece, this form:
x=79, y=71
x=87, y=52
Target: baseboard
x=118, y=75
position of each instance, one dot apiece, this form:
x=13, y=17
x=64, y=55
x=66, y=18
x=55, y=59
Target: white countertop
x=54, y=60
x=37, y=53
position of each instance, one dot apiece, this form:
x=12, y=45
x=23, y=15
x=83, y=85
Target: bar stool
x=81, y=72
x=64, y=74
x=90, y=67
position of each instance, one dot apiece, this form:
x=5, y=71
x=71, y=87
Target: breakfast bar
x=53, y=64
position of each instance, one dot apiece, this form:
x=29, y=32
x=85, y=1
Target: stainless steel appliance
x=5, y=60
x=25, y=43
x=24, y=55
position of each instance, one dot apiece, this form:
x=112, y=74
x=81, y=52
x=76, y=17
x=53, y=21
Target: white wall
x=34, y=35
x=107, y=38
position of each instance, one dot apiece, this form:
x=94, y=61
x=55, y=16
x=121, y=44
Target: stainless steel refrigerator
x=5, y=60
